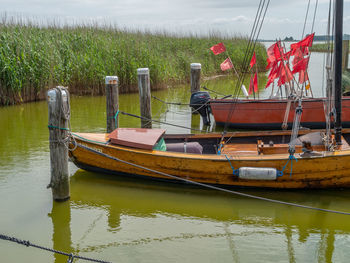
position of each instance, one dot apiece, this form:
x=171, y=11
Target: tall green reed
x=34, y=58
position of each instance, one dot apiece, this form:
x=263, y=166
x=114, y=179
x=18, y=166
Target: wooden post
x=345, y=54
x=195, y=80
x=195, y=77
x=145, y=97
x=59, y=117
x=112, y=102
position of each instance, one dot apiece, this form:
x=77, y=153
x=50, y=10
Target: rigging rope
x=162, y=122
x=258, y=22
x=307, y=12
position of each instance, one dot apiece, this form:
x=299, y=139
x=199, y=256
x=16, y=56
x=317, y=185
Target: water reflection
x=126, y=204
x=136, y=221
x=61, y=235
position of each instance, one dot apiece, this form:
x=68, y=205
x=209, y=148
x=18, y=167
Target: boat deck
x=260, y=149
x=236, y=149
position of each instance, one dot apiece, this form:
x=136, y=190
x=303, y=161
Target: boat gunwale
x=213, y=157
x=268, y=100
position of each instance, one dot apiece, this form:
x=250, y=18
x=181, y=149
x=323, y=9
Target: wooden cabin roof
x=136, y=137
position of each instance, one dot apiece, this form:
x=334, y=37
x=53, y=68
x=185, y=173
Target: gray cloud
x=195, y=16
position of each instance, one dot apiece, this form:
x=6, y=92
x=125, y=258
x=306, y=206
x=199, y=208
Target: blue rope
x=115, y=119
x=219, y=150
x=55, y=127
x=234, y=171
x=290, y=158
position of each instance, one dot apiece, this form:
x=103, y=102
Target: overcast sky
x=283, y=18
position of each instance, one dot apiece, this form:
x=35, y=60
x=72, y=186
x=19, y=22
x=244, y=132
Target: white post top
x=111, y=80
x=142, y=71
x=51, y=95
x=196, y=66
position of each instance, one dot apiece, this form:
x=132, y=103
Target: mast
x=338, y=46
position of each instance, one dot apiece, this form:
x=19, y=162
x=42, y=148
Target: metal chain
x=70, y=256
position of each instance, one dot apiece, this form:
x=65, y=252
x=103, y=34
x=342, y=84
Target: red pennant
x=253, y=60
x=273, y=74
x=255, y=81
x=253, y=85
x=285, y=74
x=306, y=42
x=227, y=64
x=278, y=51
x=274, y=54
x=218, y=48
x=301, y=65
x=303, y=76
x=298, y=55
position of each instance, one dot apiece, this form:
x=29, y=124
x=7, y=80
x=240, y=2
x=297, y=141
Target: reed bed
x=34, y=58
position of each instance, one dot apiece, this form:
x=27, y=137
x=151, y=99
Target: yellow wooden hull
x=330, y=170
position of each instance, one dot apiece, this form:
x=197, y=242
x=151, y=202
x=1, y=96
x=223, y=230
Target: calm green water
x=138, y=221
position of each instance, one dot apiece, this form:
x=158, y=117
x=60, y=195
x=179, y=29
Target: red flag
x=306, y=42
x=274, y=54
x=253, y=60
x=218, y=48
x=271, y=54
x=273, y=74
x=227, y=64
x=278, y=51
x=303, y=76
x=285, y=74
x=287, y=55
x=253, y=84
x=298, y=55
x=301, y=65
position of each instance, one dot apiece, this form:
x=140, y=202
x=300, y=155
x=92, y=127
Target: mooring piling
x=112, y=102
x=59, y=118
x=145, y=97
x=195, y=77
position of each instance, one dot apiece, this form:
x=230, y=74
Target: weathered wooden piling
x=195, y=80
x=345, y=62
x=59, y=117
x=195, y=77
x=112, y=102
x=145, y=97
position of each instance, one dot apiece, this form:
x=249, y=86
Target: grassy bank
x=33, y=59
x=321, y=47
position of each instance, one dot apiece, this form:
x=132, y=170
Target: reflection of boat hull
x=139, y=198
x=329, y=170
x=269, y=113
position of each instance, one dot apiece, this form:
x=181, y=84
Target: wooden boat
x=269, y=113
x=264, y=152
x=275, y=112
x=246, y=159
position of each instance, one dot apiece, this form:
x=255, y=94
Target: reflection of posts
x=112, y=103
x=61, y=235
x=145, y=97
x=114, y=217
x=59, y=115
